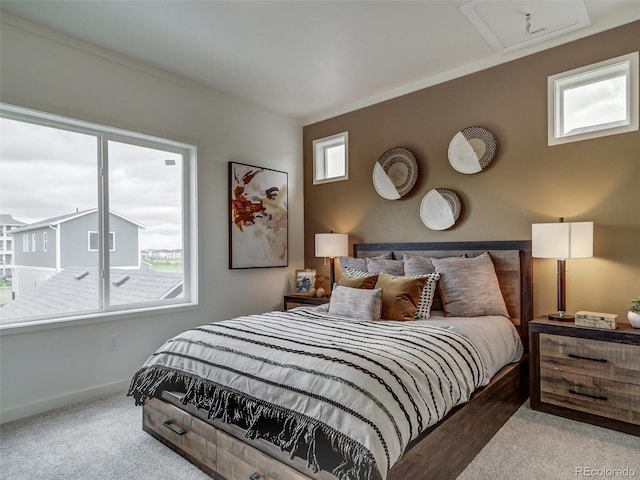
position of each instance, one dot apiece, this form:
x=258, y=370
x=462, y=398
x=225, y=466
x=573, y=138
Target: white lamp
x=332, y=245
x=561, y=241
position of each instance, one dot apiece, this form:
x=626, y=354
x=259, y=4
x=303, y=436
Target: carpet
x=104, y=440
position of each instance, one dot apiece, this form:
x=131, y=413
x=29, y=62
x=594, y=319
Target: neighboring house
x=7, y=223
x=44, y=248
x=75, y=289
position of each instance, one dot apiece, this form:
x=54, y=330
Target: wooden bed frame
x=442, y=452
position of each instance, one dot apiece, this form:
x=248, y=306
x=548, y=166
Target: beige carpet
x=104, y=440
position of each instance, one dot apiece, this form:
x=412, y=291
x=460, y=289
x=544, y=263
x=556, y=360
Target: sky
x=47, y=172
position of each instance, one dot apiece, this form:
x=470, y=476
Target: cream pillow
x=469, y=286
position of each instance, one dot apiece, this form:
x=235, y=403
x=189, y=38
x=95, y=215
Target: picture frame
x=305, y=280
x=258, y=224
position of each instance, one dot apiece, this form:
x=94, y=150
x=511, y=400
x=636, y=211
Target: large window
x=78, y=187
x=593, y=101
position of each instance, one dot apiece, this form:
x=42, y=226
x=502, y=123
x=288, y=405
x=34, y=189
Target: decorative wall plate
x=472, y=149
x=395, y=173
x=440, y=209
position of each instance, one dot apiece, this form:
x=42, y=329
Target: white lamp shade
x=562, y=240
x=332, y=244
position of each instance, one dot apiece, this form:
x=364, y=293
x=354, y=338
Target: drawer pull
x=255, y=476
x=601, y=360
x=597, y=397
x=174, y=428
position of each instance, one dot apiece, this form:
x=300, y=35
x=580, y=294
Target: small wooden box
x=596, y=319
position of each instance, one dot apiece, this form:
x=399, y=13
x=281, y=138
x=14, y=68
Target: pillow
x=368, y=280
x=357, y=303
x=425, y=301
x=392, y=267
x=469, y=286
x=417, y=265
x=400, y=296
x=360, y=263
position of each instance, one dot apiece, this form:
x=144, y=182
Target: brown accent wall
x=528, y=182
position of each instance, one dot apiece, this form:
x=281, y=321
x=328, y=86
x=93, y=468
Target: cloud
x=46, y=172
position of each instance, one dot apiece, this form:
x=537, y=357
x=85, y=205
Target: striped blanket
x=346, y=395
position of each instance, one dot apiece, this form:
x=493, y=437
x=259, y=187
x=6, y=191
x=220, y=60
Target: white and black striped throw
x=346, y=395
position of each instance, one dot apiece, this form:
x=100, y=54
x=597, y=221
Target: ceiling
x=311, y=60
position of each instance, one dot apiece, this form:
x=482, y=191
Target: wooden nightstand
x=291, y=301
x=587, y=374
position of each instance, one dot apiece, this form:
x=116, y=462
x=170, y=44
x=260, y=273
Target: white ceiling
x=309, y=60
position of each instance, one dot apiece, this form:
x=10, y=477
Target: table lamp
x=332, y=245
x=562, y=241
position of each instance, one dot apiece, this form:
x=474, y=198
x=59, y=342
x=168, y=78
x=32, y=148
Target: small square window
x=594, y=101
x=331, y=158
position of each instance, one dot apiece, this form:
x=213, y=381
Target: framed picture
x=305, y=280
x=258, y=206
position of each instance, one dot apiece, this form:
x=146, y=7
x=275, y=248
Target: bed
x=424, y=396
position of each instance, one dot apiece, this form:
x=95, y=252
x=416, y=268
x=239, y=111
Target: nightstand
x=586, y=374
x=291, y=301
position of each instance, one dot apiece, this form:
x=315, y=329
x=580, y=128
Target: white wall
x=47, y=368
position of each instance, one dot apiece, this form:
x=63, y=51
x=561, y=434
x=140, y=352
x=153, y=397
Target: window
x=594, y=101
x=94, y=241
x=87, y=185
x=331, y=158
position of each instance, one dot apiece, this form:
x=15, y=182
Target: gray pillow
x=469, y=286
x=360, y=263
x=392, y=267
x=417, y=265
x=356, y=303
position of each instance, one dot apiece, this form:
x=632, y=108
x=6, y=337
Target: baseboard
x=52, y=403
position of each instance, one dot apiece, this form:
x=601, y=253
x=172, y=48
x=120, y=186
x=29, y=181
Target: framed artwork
x=305, y=281
x=258, y=205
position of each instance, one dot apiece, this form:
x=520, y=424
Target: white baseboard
x=52, y=403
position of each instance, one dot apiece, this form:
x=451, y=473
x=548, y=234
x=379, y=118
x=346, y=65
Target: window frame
x=45, y=241
x=320, y=147
x=190, y=251
x=625, y=65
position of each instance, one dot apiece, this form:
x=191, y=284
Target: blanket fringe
x=296, y=431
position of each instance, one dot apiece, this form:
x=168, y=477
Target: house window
x=331, y=158
x=89, y=184
x=94, y=241
x=593, y=101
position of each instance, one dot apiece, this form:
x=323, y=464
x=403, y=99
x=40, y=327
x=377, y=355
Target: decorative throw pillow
x=360, y=263
x=425, y=302
x=469, y=286
x=367, y=281
x=356, y=303
x=392, y=267
x=357, y=273
x=400, y=295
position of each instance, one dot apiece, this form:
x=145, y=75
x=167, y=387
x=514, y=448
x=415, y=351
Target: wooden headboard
x=512, y=261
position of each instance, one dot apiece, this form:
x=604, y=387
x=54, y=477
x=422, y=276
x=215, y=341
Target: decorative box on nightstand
x=291, y=301
x=587, y=374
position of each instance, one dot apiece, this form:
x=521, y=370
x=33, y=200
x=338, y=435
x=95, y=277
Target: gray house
x=44, y=248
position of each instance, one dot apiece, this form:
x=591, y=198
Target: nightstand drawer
x=607, y=398
x=605, y=360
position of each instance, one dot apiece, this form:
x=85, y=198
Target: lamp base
x=561, y=317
